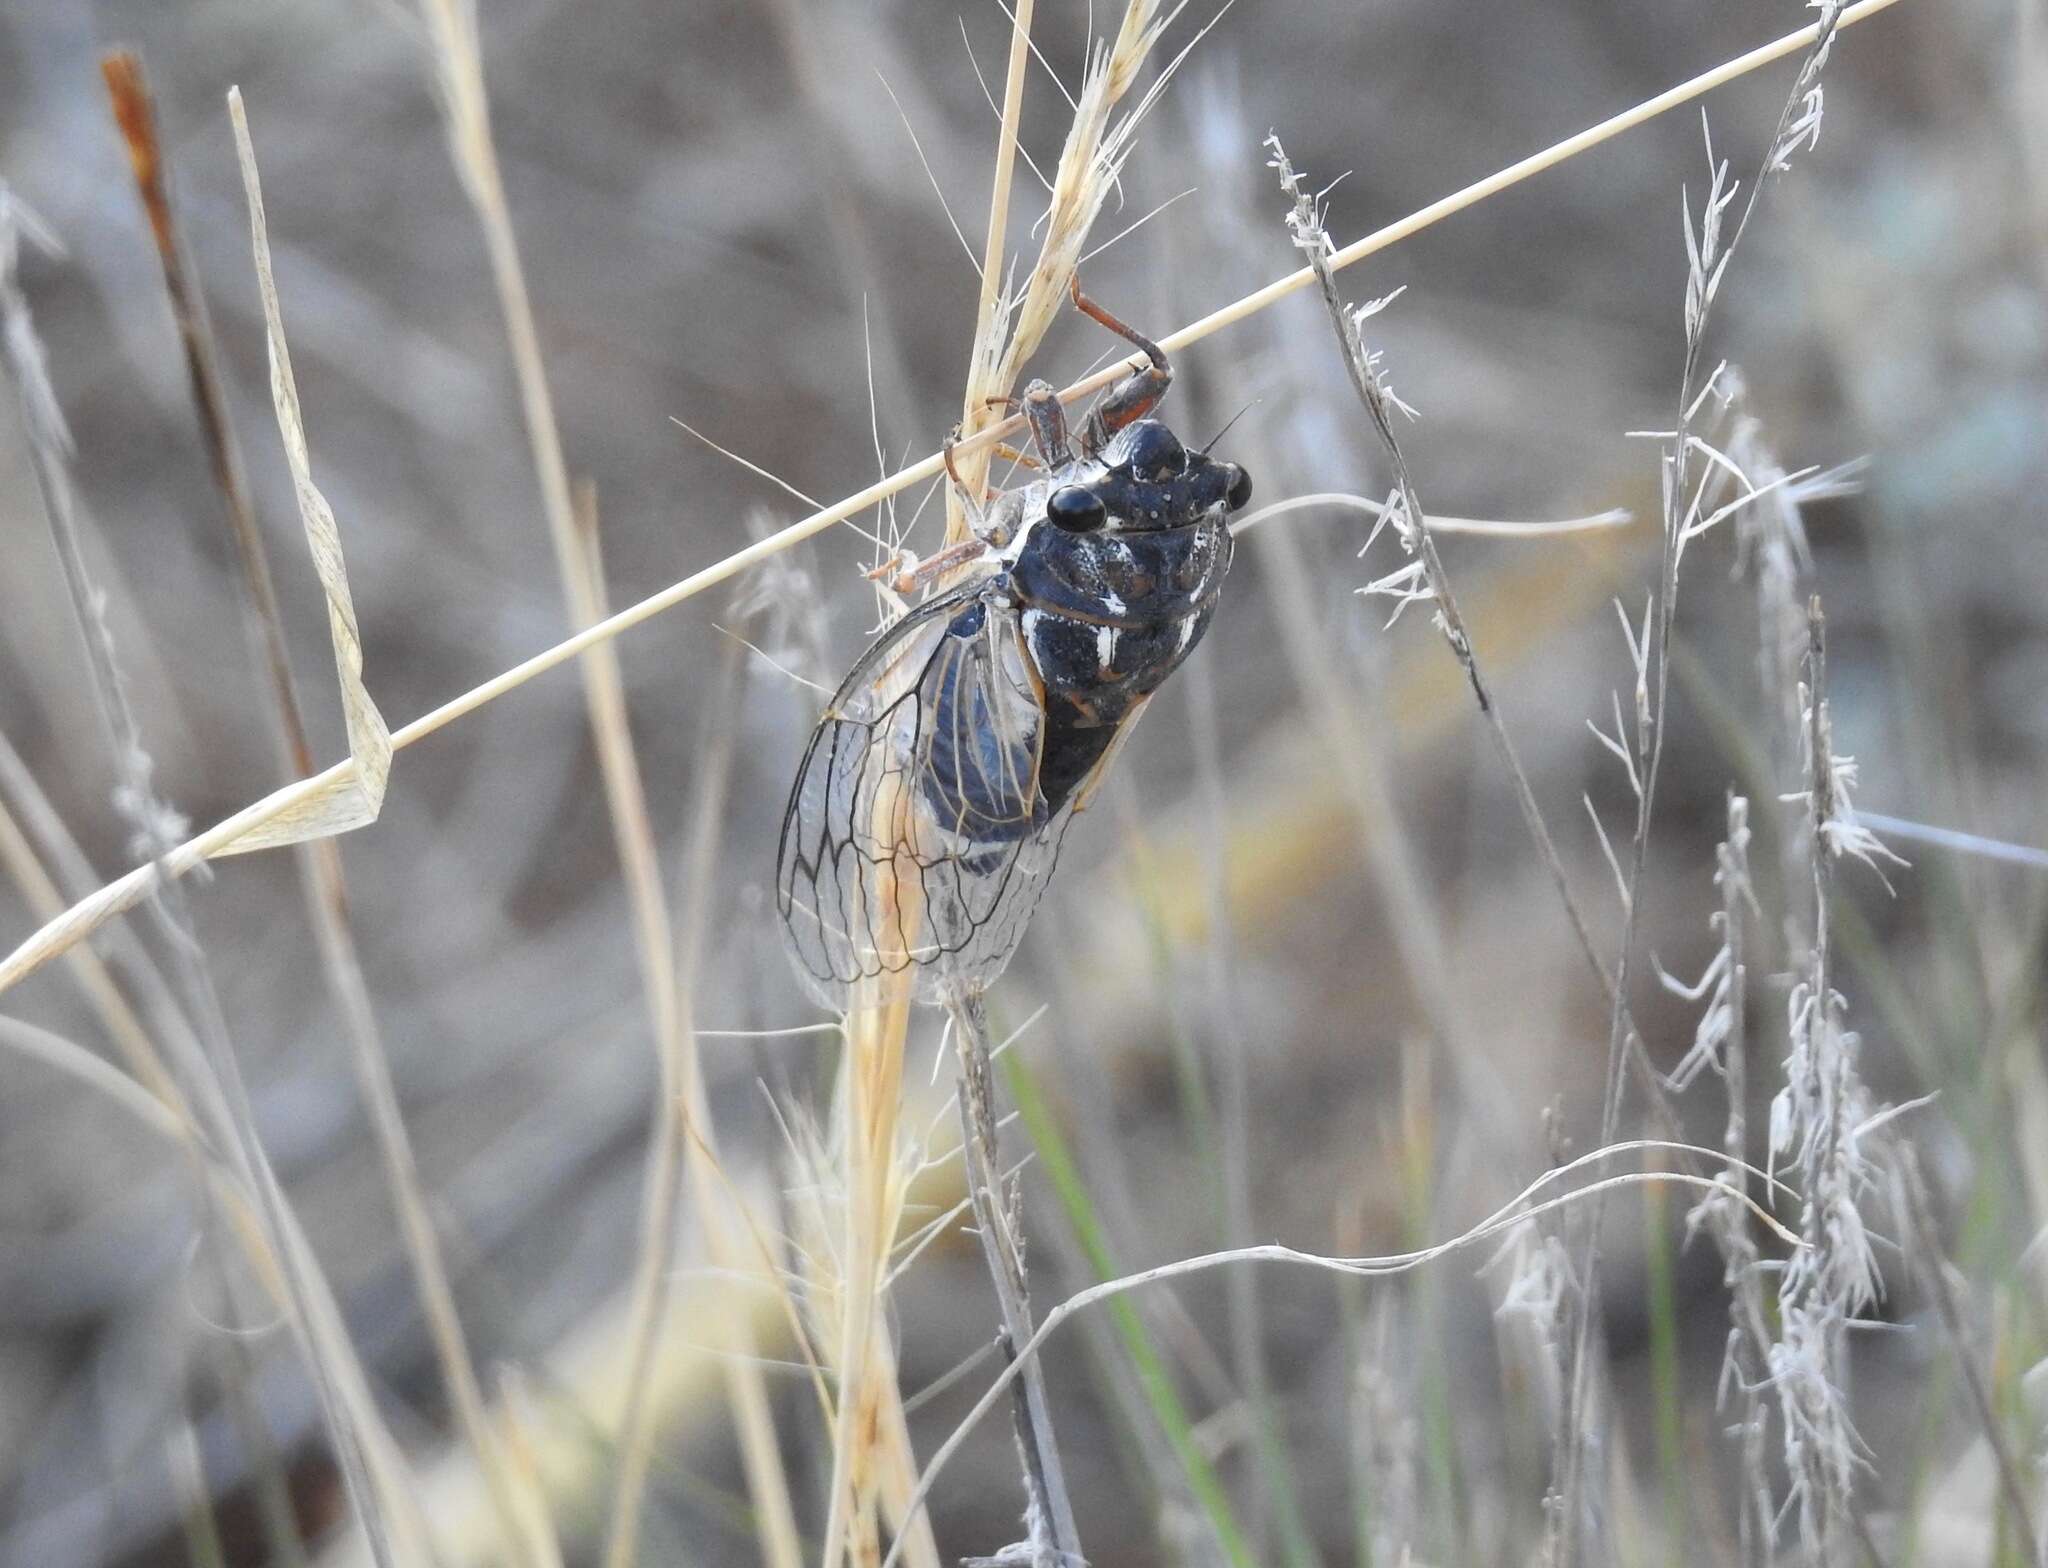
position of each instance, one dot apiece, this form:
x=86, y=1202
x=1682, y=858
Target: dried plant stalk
x=369, y=1460
x=1008, y=333
x=89, y=913
x=452, y=27
x=1687, y=514
x=1530, y=1204
x=1052, y=1538
x=319, y=860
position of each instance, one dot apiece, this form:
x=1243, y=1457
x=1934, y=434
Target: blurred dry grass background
x=709, y=198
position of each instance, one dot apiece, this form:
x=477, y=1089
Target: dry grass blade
x=369, y=1460
x=1008, y=333
x=319, y=859
x=869, y=1160
x=458, y=59
x=1523, y=1208
x=92, y=912
x=1049, y=1518
x=354, y=799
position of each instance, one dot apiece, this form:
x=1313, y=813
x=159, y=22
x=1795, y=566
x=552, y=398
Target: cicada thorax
x=929, y=808
x=1106, y=618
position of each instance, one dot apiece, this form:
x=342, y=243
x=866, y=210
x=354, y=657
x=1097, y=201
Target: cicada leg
x=1048, y=422
x=992, y=526
x=1040, y=406
x=904, y=572
x=1131, y=398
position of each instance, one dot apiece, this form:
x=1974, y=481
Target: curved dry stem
x=1517, y=1211
x=89, y=914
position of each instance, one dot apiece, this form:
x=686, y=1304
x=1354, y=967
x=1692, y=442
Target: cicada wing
x=992, y=845
x=915, y=834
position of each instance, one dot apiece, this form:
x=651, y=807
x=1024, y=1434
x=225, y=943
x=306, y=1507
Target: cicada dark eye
x=1240, y=494
x=1077, y=510
x=1156, y=453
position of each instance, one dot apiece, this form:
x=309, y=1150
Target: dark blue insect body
x=929, y=809
x=1106, y=612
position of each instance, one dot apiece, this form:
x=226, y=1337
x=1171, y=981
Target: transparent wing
x=915, y=835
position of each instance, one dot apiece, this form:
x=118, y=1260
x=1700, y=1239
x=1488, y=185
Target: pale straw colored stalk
x=1008, y=331
x=872, y=1174
x=326, y=894
x=452, y=27
x=1530, y=1204
x=369, y=1461
x=90, y=913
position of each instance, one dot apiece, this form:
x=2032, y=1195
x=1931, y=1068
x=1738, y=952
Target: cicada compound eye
x=1076, y=509
x=1240, y=493
x=1156, y=453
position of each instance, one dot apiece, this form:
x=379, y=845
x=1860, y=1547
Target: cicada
x=929, y=808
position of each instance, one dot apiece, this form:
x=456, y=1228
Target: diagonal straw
x=90, y=913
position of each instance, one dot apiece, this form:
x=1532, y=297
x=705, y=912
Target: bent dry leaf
x=348, y=795
x=79, y=922
x=353, y=799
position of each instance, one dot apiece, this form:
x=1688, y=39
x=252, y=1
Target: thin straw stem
x=122, y=894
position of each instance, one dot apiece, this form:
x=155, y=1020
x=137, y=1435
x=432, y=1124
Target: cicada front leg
x=1135, y=396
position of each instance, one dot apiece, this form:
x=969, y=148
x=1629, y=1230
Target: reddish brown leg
x=1048, y=422
x=906, y=574
x=1131, y=398
x=952, y=473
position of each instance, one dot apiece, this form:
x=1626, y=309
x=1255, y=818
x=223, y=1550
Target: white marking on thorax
x=1187, y=632
x=1010, y=552
x=1105, y=647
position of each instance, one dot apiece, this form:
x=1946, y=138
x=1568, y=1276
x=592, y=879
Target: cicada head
x=1149, y=480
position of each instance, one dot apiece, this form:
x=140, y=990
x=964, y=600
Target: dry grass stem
x=1815, y=1116
x=1009, y=330
x=452, y=28
x=319, y=859
x=1424, y=580
x=1519, y=1211
x=368, y=1459
x=1324, y=500
x=1052, y=1539
x=871, y=1152
x=1689, y=511
x=867, y=1158
x=92, y=912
